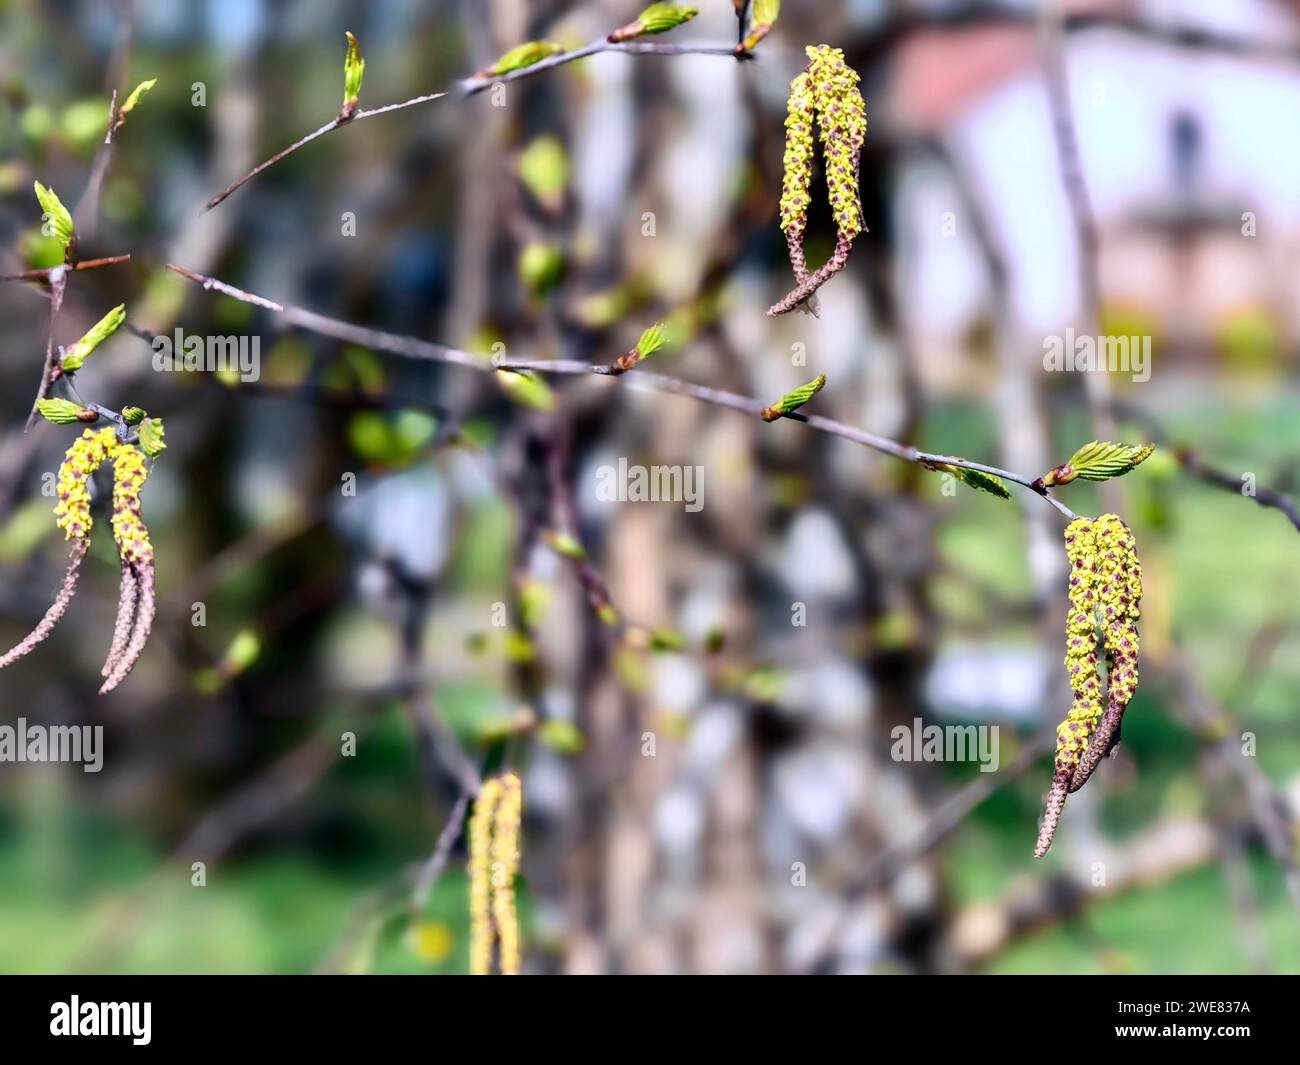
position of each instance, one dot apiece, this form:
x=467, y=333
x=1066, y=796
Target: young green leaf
x=563, y=737
x=544, y=170
x=977, y=479
x=652, y=340
x=527, y=390
x=76, y=355
x=657, y=18
x=151, y=437
x=55, y=215
x=354, y=68
x=567, y=545
x=541, y=263
x=523, y=55
x=64, y=411
x=667, y=640
x=762, y=18
x=792, y=401
x=137, y=94
x=1099, y=461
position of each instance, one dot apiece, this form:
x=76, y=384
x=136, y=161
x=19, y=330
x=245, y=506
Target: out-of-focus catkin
x=493, y=865
x=480, y=878
x=505, y=865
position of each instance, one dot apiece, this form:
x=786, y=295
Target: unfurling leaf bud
x=567, y=545
x=977, y=479
x=527, y=390
x=354, y=68
x=64, y=411
x=762, y=18
x=137, y=94
x=151, y=437
x=524, y=55
x=652, y=340
x=76, y=355
x=133, y=415
x=57, y=215
x=1099, y=461
x=657, y=18
x=792, y=401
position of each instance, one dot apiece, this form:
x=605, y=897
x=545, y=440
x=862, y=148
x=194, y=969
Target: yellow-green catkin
x=84, y=457
x=799, y=144
x=481, y=936
x=825, y=93
x=505, y=865
x=842, y=121
x=1080, y=645
x=493, y=866
x=129, y=473
x=1119, y=596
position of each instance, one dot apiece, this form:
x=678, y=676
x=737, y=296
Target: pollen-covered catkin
x=1105, y=588
x=1080, y=646
x=83, y=458
x=826, y=94
x=842, y=122
x=505, y=864
x=129, y=530
x=1119, y=597
x=798, y=160
x=481, y=937
x=493, y=865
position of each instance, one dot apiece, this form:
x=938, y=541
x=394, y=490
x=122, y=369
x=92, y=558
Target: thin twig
x=1265, y=497
x=432, y=869
x=58, y=282
x=1194, y=466
x=411, y=347
x=329, y=127
x=470, y=87
x=45, y=273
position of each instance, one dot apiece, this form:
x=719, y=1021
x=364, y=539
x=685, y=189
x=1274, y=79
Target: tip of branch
x=1052, y=811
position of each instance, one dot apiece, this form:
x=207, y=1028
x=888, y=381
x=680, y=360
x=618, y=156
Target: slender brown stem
x=329, y=127
x=57, y=609
x=411, y=347
x=45, y=273
x=58, y=283
x=471, y=86
x=437, y=861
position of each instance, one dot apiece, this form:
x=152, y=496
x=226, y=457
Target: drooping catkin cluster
x=493, y=865
x=1105, y=590
x=824, y=94
x=137, y=600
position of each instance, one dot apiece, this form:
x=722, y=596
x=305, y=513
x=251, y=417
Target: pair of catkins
x=137, y=601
